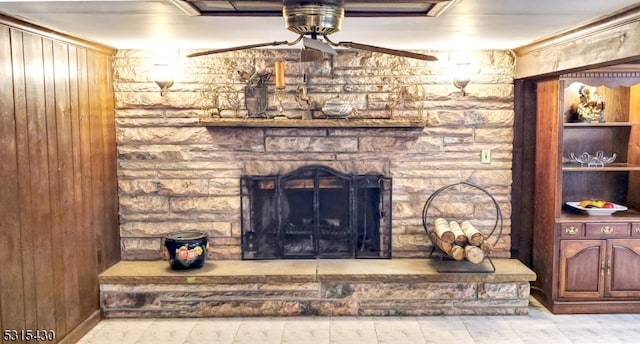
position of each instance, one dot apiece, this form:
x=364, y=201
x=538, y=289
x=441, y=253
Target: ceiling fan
x=315, y=19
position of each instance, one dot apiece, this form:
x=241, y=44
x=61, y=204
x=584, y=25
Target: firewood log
x=457, y=252
x=473, y=254
x=444, y=246
x=473, y=235
x=442, y=230
x=460, y=238
x=486, y=247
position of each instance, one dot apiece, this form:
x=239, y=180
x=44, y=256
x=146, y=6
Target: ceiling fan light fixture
x=318, y=45
x=313, y=17
x=310, y=55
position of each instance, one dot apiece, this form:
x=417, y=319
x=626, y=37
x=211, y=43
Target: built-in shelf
x=605, y=124
x=619, y=167
x=619, y=216
x=311, y=123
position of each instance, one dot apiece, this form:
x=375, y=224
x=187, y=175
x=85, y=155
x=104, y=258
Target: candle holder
x=279, y=97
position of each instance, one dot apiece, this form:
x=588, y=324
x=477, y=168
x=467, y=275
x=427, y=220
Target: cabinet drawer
x=635, y=229
x=607, y=230
x=571, y=230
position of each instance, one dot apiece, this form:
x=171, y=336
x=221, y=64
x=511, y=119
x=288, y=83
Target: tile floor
x=539, y=326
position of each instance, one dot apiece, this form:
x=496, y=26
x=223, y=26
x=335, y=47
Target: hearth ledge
x=410, y=287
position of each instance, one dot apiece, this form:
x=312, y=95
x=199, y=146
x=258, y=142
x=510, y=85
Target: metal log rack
x=446, y=263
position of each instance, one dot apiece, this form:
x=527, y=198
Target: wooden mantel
x=311, y=123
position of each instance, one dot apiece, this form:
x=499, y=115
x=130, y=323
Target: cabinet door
x=623, y=268
x=581, y=268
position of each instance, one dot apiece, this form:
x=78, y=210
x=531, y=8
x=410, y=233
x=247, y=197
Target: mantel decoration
x=255, y=93
x=589, y=106
x=336, y=108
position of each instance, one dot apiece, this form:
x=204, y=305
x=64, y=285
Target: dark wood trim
x=311, y=123
x=81, y=330
x=522, y=198
x=54, y=35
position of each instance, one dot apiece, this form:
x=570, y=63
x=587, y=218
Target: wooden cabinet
x=587, y=263
x=582, y=268
x=599, y=268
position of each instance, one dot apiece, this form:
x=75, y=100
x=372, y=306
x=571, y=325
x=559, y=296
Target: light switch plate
x=485, y=156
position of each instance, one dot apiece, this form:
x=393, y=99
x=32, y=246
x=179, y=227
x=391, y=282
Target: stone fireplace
x=283, y=186
x=316, y=212
x=176, y=174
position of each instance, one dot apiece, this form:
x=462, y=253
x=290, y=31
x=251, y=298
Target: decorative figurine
x=590, y=106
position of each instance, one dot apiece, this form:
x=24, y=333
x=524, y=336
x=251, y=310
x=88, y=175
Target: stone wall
x=175, y=175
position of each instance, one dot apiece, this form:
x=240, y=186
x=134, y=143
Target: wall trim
x=22, y=25
x=609, y=40
x=82, y=329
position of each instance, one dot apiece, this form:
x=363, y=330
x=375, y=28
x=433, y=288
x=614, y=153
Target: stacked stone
x=174, y=175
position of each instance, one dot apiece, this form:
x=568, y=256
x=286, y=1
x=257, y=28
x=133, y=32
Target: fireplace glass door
x=316, y=212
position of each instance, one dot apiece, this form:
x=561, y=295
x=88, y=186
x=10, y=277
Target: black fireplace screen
x=316, y=212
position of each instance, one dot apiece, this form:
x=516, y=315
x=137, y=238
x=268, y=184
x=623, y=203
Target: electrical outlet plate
x=485, y=156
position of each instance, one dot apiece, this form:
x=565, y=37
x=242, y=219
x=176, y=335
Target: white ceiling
x=469, y=24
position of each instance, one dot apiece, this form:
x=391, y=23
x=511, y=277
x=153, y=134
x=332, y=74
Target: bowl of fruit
x=596, y=207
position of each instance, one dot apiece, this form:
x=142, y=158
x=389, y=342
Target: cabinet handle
x=609, y=268
x=602, y=268
x=606, y=230
x=571, y=230
x=637, y=229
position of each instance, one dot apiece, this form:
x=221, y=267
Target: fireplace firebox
x=316, y=212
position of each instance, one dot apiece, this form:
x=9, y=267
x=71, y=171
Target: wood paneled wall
x=58, y=193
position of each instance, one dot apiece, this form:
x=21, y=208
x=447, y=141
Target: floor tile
x=539, y=326
x=307, y=331
x=219, y=331
x=398, y=330
x=352, y=330
x=260, y=330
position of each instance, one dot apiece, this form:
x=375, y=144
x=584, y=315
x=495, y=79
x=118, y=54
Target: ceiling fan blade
x=241, y=47
x=376, y=49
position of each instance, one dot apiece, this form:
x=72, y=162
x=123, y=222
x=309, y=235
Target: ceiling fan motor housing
x=313, y=17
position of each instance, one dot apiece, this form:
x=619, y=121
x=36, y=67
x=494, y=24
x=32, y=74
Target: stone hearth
x=335, y=287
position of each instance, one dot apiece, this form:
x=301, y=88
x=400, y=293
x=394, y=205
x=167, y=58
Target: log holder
x=446, y=263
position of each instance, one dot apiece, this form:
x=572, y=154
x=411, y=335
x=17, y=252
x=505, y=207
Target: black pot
x=185, y=250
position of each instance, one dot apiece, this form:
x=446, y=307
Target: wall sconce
x=162, y=77
x=462, y=76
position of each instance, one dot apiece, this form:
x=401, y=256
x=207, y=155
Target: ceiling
x=465, y=25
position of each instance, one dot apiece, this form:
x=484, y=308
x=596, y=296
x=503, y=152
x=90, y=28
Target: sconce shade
x=462, y=76
x=280, y=74
x=162, y=77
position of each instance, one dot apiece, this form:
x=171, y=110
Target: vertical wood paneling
x=39, y=174
x=24, y=176
x=11, y=296
x=88, y=229
x=70, y=246
x=54, y=186
x=57, y=198
x=83, y=270
x=112, y=232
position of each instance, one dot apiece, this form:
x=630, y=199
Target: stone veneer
x=174, y=175
x=312, y=287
